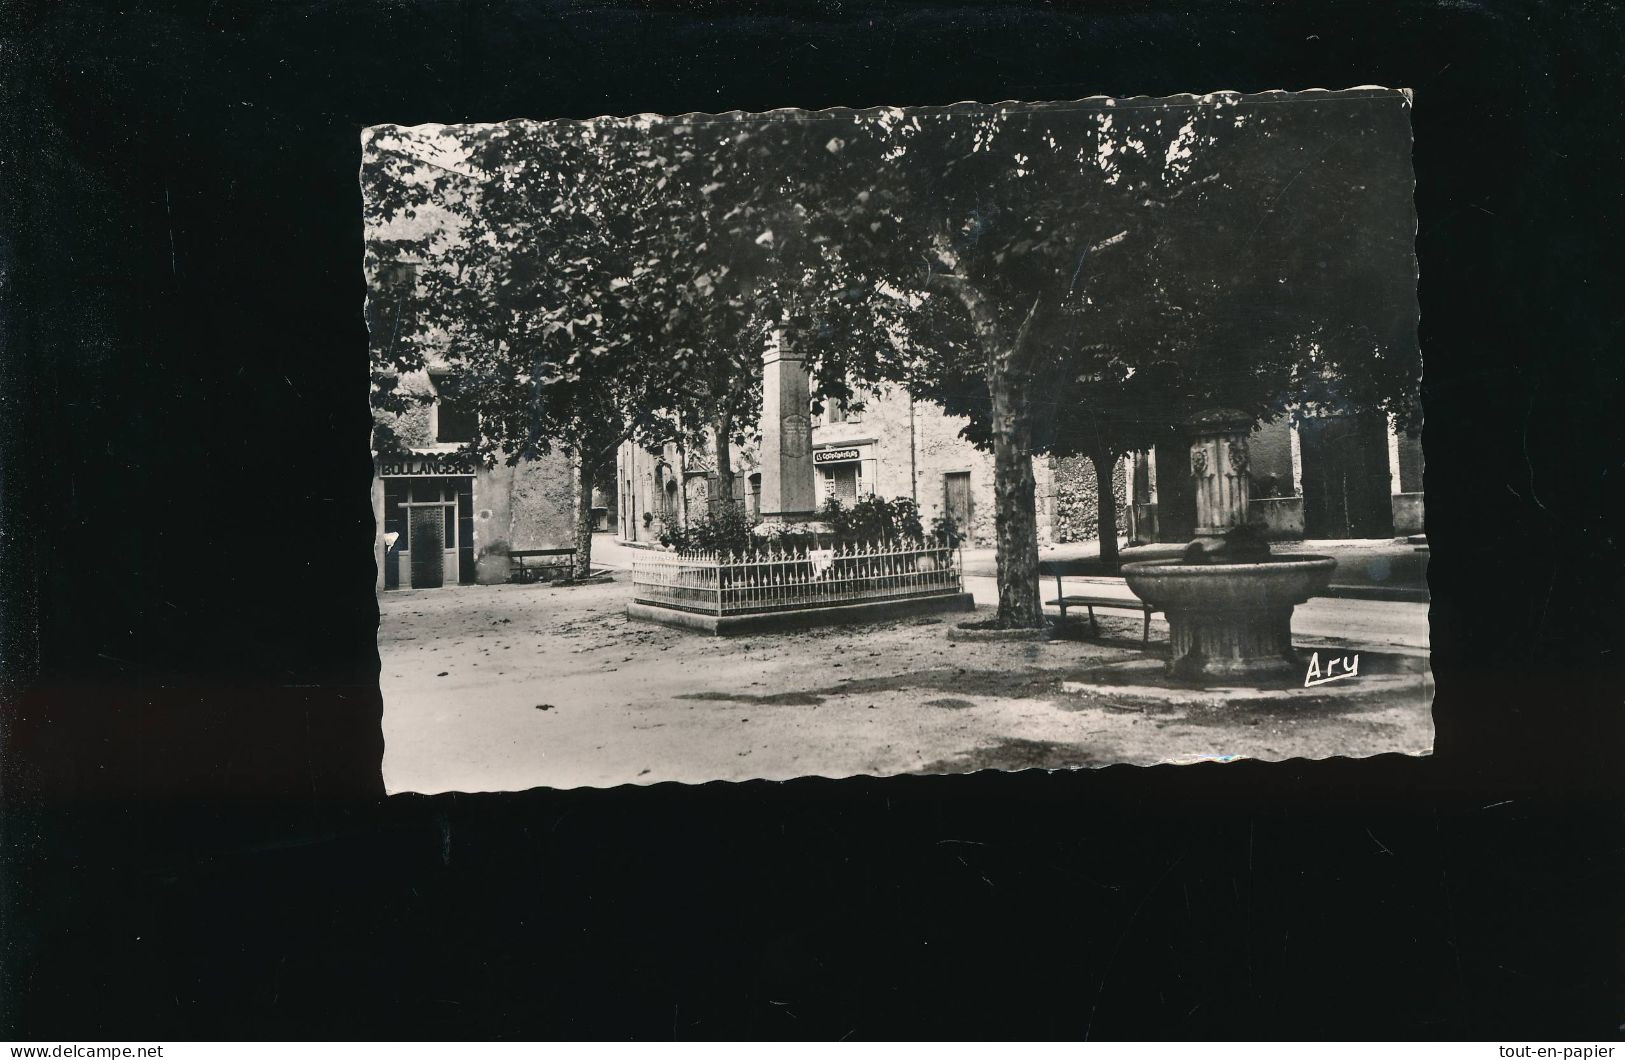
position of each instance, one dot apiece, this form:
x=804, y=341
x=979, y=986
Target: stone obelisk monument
x=788, y=487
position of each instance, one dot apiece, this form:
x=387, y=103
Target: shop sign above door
x=426, y=464
x=834, y=456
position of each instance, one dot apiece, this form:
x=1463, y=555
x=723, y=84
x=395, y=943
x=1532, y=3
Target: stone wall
x=529, y=505
x=886, y=425
x=1077, y=499
x=1408, y=514
x=902, y=456
x=1269, y=457
x=1280, y=518
x=644, y=502
x=940, y=450
x=541, y=503
x=1410, y=464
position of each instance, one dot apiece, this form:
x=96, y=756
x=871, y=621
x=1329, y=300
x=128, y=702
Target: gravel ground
x=491, y=688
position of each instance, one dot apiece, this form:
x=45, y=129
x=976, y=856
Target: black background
x=196, y=843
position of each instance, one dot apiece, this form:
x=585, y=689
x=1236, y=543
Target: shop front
x=428, y=520
x=846, y=473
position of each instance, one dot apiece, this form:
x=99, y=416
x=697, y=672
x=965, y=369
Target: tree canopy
x=1230, y=250
x=1074, y=278
x=1108, y=268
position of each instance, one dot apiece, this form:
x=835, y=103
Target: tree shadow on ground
x=771, y=699
x=1013, y=754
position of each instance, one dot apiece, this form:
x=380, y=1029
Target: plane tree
x=595, y=282
x=535, y=289
x=1074, y=278
x=753, y=237
x=1114, y=265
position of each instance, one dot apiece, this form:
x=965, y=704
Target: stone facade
x=652, y=490
x=891, y=446
x=1270, y=449
x=531, y=505
x=898, y=447
x=1277, y=463
x=1077, y=499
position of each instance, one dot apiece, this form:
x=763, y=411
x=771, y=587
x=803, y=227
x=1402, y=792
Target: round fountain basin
x=1230, y=620
x=1280, y=581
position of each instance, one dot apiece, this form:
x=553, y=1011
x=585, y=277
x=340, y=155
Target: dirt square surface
x=493, y=688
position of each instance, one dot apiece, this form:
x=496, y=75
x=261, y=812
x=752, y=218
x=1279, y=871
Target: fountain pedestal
x=1228, y=601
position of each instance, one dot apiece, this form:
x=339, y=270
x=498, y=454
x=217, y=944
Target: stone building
x=656, y=489
x=431, y=491
x=1315, y=477
x=887, y=445
x=426, y=488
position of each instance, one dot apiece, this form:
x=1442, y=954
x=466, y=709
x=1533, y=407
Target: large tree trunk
x=1014, y=490
x=585, y=473
x=1106, y=504
x=723, y=428
x=1014, y=494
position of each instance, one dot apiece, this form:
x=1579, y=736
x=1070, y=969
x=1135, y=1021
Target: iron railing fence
x=738, y=584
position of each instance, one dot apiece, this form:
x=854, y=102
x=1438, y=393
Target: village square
x=897, y=441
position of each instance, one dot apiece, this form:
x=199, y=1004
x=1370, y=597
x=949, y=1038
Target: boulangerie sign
x=419, y=465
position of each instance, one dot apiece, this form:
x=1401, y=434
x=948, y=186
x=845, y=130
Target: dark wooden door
x=1346, y=485
x=957, y=500
x=844, y=483
x=428, y=551
x=1176, y=494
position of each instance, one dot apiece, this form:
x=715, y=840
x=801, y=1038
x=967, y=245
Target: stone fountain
x=1228, y=600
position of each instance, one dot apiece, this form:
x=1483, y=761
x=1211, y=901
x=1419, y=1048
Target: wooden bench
x=518, y=568
x=1058, y=568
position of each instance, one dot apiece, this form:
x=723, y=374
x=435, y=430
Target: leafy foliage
x=1247, y=252
x=1095, y=273
x=946, y=528
x=873, y=519
x=1074, y=278
x=728, y=529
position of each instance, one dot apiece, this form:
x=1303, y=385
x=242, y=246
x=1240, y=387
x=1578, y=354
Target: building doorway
x=432, y=519
x=428, y=526
x=957, y=501
x=1176, y=492
x=671, y=511
x=841, y=481
x=1346, y=482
